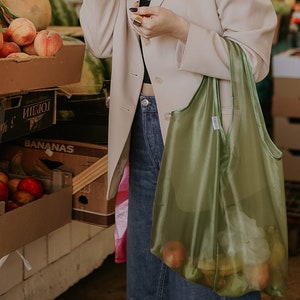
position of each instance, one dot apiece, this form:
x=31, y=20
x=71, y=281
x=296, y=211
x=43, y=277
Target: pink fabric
x=121, y=213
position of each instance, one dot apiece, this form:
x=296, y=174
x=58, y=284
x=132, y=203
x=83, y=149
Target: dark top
x=146, y=75
x=144, y=2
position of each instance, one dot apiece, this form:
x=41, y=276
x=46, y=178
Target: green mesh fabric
x=219, y=216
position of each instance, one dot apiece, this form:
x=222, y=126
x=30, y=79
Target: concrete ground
x=108, y=282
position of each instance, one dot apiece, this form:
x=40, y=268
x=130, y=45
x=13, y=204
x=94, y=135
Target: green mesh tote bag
x=219, y=215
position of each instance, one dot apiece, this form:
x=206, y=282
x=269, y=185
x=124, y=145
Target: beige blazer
x=176, y=69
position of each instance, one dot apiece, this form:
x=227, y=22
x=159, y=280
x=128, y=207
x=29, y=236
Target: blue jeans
x=148, y=278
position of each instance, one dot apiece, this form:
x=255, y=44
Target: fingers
x=145, y=20
x=137, y=21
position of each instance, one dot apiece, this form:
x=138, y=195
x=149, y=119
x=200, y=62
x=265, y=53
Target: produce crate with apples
x=85, y=161
x=34, y=206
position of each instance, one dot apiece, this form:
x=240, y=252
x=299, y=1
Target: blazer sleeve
x=249, y=23
x=97, y=20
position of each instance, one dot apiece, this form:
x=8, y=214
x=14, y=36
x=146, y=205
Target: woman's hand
x=158, y=21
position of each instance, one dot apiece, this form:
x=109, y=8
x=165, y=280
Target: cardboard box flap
x=87, y=176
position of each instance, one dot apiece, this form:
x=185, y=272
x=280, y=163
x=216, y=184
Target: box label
x=24, y=114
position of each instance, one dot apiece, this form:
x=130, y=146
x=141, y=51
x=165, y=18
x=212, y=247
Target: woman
x=175, y=43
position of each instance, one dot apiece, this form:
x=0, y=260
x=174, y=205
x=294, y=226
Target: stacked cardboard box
x=28, y=104
x=28, y=90
x=286, y=110
x=39, y=157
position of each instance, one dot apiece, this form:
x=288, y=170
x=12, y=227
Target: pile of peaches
x=21, y=40
x=16, y=192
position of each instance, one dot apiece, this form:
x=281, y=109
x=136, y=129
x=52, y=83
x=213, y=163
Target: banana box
x=39, y=157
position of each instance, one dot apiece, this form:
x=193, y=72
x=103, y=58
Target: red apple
x=31, y=185
x=47, y=42
x=10, y=205
x=3, y=191
x=174, y=254
x=22, y=197
x=22, y=31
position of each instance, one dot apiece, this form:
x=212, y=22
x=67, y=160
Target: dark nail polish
x=133, y=9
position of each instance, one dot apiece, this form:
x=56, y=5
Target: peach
x=8, y=48
x=29, y=49
x=22, y=31
x=47, y=42
x=1, y=39
x=6, y=34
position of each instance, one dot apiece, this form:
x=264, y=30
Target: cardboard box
x=286, y=87
x=81, y=132
x=26, y=113
x=42, y=72
x=291, y=165
x=287, y=132
x=81, y=118
x=40, y=156
x=287, y=64
x=2, y=207
x=286, y=99
x=36, y=219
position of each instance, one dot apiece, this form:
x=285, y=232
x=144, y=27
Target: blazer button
x=158, y=80
x=167, y=116
x=146, y=41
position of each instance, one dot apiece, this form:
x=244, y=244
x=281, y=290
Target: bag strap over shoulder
x=245, y=97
